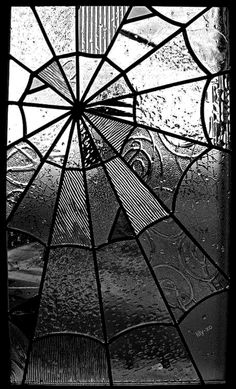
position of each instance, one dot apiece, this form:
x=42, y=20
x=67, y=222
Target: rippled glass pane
x=118, y=194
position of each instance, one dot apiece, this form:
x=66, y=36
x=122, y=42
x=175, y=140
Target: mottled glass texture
x=118, y=194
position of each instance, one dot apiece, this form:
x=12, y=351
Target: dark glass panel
x=205, y=329
x=151, y=355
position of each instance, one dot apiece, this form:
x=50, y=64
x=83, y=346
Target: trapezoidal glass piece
x=199, y=202
x=74, y=155
x=151, y=354
x=186, y=275
x=205, y=329
x=213, y=28
x=43, y=139
x=173, y=63
x=130, y=295
x=70, y=286
x=87, y=67
x=179, y=14
x=69, y=359
x=97, y=27
x=27, y=44
x=71, y=224
x=138, y=12
x=59, y=25
x=35, y=211
x=176, y=110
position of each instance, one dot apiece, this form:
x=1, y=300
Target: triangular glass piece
x=103, y=204
x=89, y=153
x=130, y=294
x=58, y=153
x=74, y=157
x=121, y=227
x=37, y=117
x=105, y=75
x=87, y=67
x=27, y=41
x=122, y=109
x=46, y=96
x=54, y=77
x=36, y=83
x=58, y=23
x=69, y=67
x=44, y=138
x=35, y=211
x=140, y=204
x=138, y=12
x=97, y=27
x=71, y=224
x=114, y=131
x=102, y=147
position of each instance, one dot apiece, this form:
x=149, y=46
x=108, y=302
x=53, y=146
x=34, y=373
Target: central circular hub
x=78, y=108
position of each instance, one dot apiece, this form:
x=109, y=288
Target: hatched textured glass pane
x=67, y=359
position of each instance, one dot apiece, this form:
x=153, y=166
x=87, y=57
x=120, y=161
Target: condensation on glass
x=118, y=188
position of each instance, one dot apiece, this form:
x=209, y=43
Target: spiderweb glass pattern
x=113, y=141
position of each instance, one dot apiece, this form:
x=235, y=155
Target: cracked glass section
x=118, y=194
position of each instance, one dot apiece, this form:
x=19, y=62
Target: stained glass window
x=118, y=188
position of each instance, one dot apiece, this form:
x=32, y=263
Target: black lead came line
x=47, y=253
x=157, y=130
x=174, y=321
x=96, y=269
